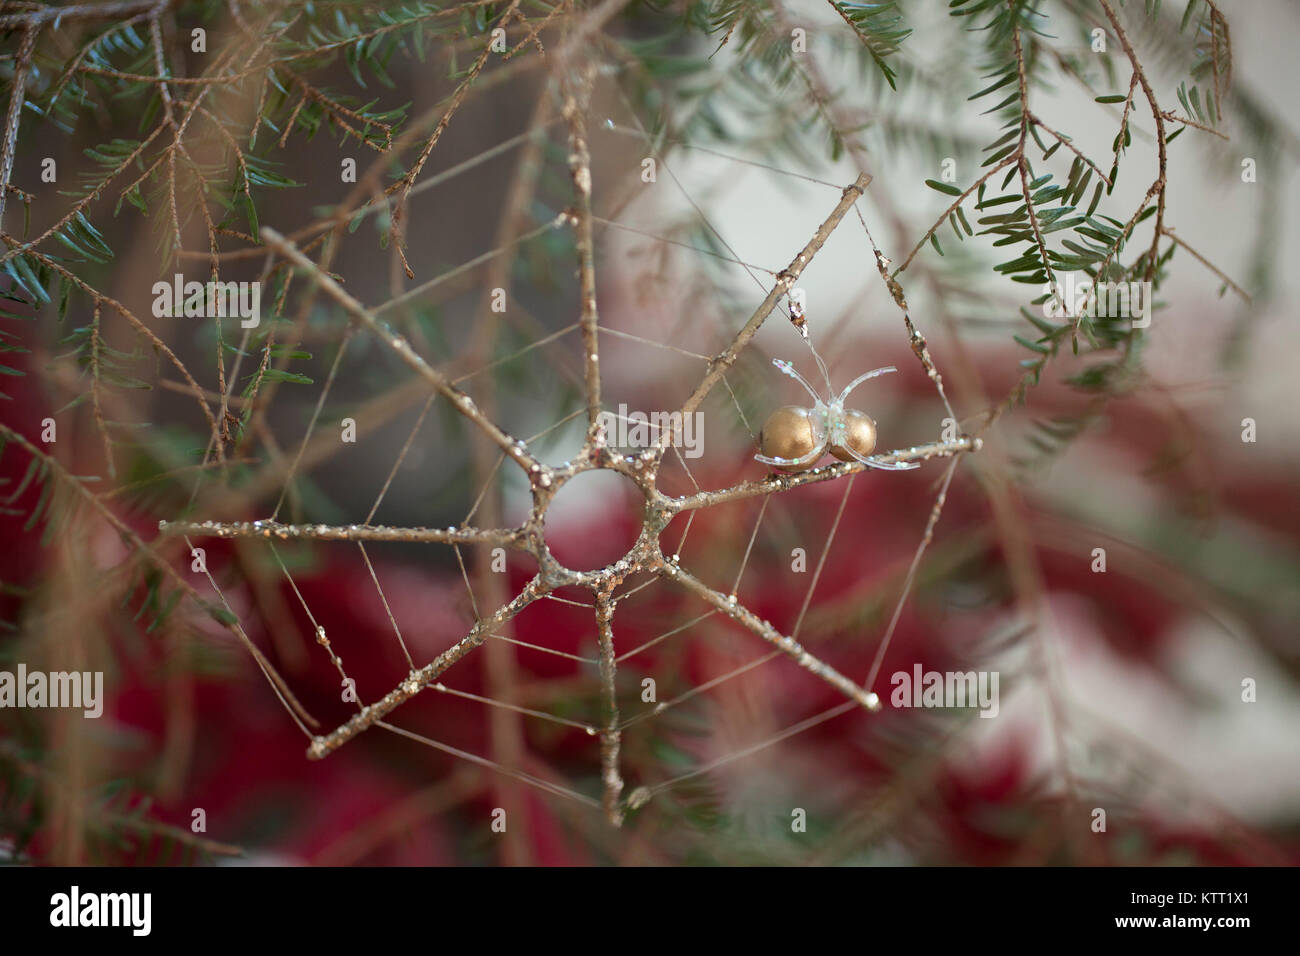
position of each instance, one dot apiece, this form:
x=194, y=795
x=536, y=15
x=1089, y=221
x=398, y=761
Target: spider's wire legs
x=794, y=462
x=862, y=378
x=826, y=375
x=883, y=465
x=790, y=370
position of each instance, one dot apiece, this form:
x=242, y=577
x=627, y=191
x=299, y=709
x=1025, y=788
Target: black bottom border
x=404, y=906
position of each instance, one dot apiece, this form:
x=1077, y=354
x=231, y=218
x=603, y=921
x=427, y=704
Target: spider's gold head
x=859, y=434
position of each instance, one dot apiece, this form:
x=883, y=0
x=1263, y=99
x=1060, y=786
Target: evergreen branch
x=408, y=180
x=1161, y=139
x=43, y=15
x=140, y=547
x=1175, y=118
x=79, y=207
x=1022, y=164
x=148, y=333
x=876, y=25
x=1178, y=240
x=1065, y=141
x=1006, y=161
x=22, y=67
x=122, y=821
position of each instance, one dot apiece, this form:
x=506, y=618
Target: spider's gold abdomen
x=790, y=432
x=860, y=435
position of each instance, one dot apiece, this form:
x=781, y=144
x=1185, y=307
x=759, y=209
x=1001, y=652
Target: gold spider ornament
x=795, y=438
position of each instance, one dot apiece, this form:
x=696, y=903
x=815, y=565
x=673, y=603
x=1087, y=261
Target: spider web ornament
x=645, y=557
